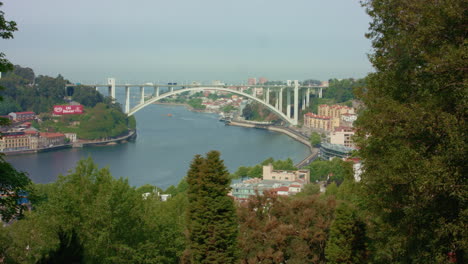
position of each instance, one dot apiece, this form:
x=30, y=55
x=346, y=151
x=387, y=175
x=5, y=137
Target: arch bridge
x=292, y=107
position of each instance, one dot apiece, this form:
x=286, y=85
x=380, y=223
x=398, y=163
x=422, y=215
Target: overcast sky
x=181, y=40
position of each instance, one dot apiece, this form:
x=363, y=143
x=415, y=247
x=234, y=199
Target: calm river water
x=164, y=148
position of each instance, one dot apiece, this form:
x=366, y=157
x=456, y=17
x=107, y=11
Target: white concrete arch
x=167, y=94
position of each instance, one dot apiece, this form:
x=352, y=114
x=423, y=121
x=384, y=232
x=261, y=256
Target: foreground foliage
x=13, y=185
x=90, y=217
x=413, y=131
x=283, y=230
x=211, y=218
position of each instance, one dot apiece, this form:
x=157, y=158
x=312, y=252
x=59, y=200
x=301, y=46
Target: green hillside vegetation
x=25, y=92
x=257, y=170
x=101, y=121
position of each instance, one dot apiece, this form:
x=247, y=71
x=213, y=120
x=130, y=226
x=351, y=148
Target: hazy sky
x=150, y=40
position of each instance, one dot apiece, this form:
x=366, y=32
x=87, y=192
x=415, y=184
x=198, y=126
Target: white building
x=342, y=136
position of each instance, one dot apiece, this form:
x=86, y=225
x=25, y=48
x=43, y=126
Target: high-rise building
x=262, y=80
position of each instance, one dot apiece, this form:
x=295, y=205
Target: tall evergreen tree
x=211, y=217
x=347, y=239
x=413, y=130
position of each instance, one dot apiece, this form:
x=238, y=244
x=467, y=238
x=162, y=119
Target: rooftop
x=336, y=147
x=317, y=116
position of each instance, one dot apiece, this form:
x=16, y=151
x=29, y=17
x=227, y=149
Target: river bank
x=78, y=144
x=165, y=148
x=286, y=131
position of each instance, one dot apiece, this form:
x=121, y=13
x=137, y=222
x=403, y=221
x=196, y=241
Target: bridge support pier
x=320, y=93
x=267, y=97
x=127, y=99
x=111, y=83
x=276, y=102
x=308, y=97
x=142, y=95
x=288, y=103
x=281, y=100
x=303, y=100
x=296, y=102
x=156, y=91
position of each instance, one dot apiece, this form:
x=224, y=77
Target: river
x=164, y=148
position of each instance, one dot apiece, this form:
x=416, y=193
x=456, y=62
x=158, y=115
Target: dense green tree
x=9, y=105
x=347, y=239
x=413, y=130
x=196, y=103
x=311, y=82
x=87, y=96
x=334, y=170
x=211, y=217
x=276, y=229
x=90, y=217
x=315, y=139
x=103, y=121
x=13, y=185
x=257, y=170
x=342, y=90
x=6, y=32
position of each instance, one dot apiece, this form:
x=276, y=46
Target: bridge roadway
x=291, y=115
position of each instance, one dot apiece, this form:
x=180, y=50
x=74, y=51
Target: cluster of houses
x=218, y=104
x=279, y=182
x=336, y=122
x=23, y=137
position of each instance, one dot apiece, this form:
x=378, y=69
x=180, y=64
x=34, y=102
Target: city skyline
x=187, y=41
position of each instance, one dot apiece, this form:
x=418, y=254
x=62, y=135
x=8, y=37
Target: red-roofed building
x=334, y=111
x=283, y=190
x=14, y=141
x=321, y=122
x=47, y=139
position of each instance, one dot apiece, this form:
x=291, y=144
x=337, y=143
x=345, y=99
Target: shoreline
x=289, y=132
x=78, y=144
x=132, y=133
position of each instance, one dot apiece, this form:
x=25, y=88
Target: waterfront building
x=33, y=138
x=329, y=151
x=320, y=122
x=334, y=111
x=47, y=139
x=14, y=141
x=342, y=136
x=22, y=116
x=71, y=136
